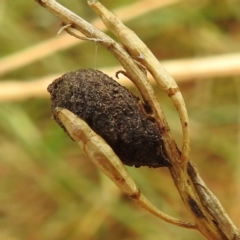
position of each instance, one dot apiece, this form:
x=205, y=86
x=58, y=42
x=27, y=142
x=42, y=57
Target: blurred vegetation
x=49, y=189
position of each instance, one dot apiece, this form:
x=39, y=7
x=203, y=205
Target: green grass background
x=50, y=190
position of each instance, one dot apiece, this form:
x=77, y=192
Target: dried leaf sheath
x=106, y=160
x=113, y=112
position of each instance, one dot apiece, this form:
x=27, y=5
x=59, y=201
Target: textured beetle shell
x=113, y=112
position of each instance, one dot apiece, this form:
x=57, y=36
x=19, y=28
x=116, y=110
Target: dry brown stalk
x=209, y=216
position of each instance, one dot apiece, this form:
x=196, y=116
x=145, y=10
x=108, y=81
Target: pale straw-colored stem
x=183, y=70
x=50, y=46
